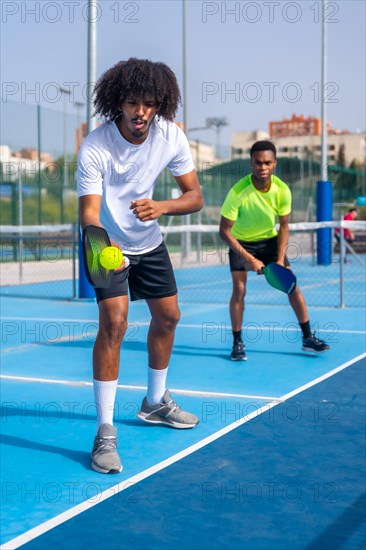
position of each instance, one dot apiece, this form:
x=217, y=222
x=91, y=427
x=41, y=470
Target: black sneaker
x=314, y=345
x=238, y=353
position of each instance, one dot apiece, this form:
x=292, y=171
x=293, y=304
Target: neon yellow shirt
x=255, y=213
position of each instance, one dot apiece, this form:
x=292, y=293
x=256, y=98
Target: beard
x=137, y=133
x=140, y=132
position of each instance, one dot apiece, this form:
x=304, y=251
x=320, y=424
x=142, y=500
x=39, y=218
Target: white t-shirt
x=121, y=172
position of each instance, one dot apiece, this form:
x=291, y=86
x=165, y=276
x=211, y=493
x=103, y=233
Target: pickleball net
x=43, y=261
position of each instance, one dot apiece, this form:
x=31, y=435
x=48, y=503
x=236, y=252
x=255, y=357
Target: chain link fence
x=43, y=261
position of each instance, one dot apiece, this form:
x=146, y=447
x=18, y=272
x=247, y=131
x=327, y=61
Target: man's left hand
x=146, y=209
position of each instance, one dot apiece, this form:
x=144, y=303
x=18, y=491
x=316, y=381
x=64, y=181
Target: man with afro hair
x=118, y=166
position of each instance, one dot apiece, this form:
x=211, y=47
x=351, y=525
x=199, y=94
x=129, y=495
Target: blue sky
x=248, y=61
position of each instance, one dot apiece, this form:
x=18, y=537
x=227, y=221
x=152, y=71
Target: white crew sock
x=105, y=394
x=155, y=385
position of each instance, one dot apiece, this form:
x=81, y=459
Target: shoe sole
x=102, y=471
x=165, y=421
x=307, y=350
x=238, y=358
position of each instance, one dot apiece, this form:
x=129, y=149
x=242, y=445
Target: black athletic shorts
x=265, y=251
x=149, y=275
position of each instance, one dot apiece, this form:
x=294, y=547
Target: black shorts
x=265, y=251
x=149, y=275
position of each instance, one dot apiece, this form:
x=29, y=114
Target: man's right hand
x=255, y=265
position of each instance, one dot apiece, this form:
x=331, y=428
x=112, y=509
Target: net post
x=199, y=237
x=342, y=257
x=73, y=248
x=324, y=206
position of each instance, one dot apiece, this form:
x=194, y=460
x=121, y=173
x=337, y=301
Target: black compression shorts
x=265, y=251
x=149, y=275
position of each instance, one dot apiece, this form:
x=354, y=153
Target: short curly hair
x=136, y=78
x=263, y=145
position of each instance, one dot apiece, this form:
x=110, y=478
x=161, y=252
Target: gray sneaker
x=167, y=412
x=104, y=454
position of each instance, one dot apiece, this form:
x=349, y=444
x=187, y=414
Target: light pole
x=185, y=86
x=79, y=105
x=185, y=237
x=196, y=129
x=85, y=289
x=324, y=198
x=217, y=122
x=65, y=92
x=199, y=213
x=92, y=63
x=324, y=110
x=39, y=165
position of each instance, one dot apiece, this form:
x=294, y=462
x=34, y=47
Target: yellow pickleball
x=111, y=257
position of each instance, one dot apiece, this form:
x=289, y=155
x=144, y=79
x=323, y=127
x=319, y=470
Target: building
x=203, y=154
x=24, y=161
x=349, y=147
x=242, y=141
x=296, y=126
x=301, y=137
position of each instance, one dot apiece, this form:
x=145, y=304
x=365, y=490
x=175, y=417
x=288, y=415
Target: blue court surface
x=277, y=460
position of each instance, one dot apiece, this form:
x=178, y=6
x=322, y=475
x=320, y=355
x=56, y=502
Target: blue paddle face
x=280, y=277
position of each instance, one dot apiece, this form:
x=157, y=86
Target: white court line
x=207, y=308
x=204, y=285
x=194, y=393
x=82, y=337
x=250, y=326
x=319, y=285
x=82, y=507
x=255, y=326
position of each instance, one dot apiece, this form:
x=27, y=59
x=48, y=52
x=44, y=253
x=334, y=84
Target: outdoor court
x=277, y=460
